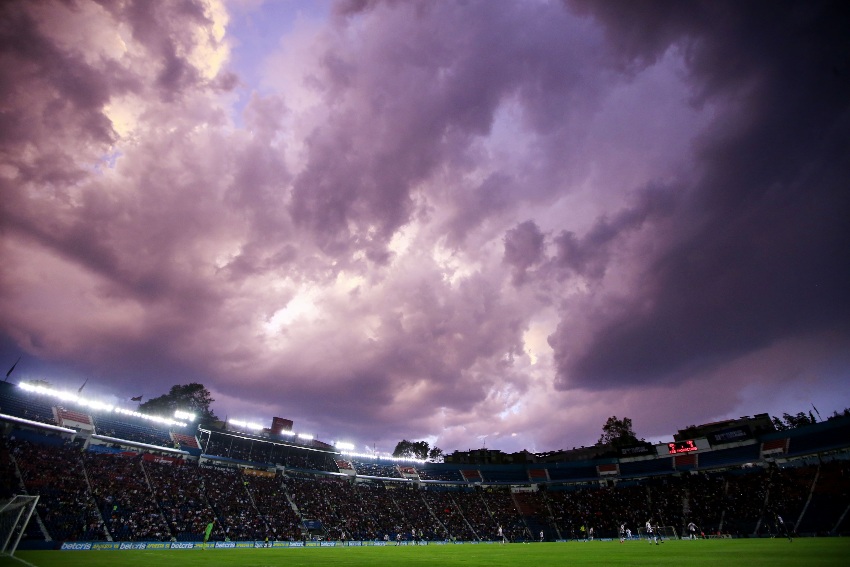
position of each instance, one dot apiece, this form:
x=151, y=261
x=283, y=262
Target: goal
x=663, y=532
x=15, y=514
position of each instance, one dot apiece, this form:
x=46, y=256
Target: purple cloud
x=430, y=220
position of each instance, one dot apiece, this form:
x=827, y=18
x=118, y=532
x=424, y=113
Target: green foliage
x=789, y=421
x=618, y=433
x=836, y=415
x=192, y=397
x=417, y=450
x=435, y=455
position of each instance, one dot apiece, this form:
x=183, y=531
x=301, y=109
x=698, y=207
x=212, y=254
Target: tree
x=411, y=449
x=192, y=397
x=435, y=455
x=414, y=449
x=618, y=433
x=789, y=421
x=836, y=415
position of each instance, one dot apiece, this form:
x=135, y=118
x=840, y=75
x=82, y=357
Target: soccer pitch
x=831, y=552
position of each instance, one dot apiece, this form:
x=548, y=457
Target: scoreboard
x=677, y=447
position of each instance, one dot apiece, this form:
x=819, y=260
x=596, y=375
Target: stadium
x=108, y=478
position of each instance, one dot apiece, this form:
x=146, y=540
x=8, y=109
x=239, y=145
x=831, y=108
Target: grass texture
x=811, y=552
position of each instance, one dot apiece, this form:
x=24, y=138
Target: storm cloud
x=450, y=221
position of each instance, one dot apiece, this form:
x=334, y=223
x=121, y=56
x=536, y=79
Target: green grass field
x=832, y=552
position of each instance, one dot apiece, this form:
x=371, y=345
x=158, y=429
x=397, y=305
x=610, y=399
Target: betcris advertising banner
x=133, y=545
x=76, y=546
x=184, y=544
x=158, y=545
x=102, y=545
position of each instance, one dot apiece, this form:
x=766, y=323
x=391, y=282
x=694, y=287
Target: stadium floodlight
x=344, y=445
x=245, y=424
x=381, y=457
x=94, y=404
x=305, y=436
x=188, y=416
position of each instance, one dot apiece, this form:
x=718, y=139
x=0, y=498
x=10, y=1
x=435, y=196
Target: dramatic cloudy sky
x=469, y=222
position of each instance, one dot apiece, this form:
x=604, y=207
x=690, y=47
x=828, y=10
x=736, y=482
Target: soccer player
x=780, y=524
x=541, y=536
x=622, y=533
x=590, y=533
x=650, y=533
x=692, y=529
x=628, y=533
x=501, y=535
x=207, y=533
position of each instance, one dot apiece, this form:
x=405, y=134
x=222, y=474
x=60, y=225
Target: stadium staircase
x=157, y=500
x=529, y=507
x=808, y=499
x=90, y=492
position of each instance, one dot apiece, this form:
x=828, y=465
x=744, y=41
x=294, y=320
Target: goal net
x=663, y=532
x=15, y=514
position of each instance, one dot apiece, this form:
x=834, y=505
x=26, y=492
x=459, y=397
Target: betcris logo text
x=225, y=544
x=182, y=545
x=133, y=545
x=76, y=546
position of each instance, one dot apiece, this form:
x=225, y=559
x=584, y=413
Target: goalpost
x=15, y=514
x=663, y=532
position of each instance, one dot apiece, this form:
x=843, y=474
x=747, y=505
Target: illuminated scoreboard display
x=681, y=447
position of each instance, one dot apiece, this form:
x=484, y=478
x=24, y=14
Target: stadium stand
x=438, y=475
x=508, y=474
x=73, y=419
x=14, y=401
x=376, y=469
x=256, y=488
x=661, y=465
x=185, y=441
x=729, y=457
x=471, y=475
x=131, y=429
x=572, y=471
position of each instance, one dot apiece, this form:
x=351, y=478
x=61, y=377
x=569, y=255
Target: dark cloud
x=590, y=255
x=756, y=257
x=523, y=248
x=412, y=96
x=378, y=237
